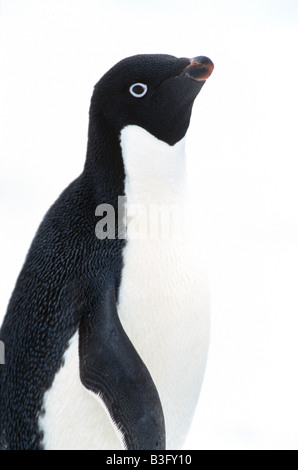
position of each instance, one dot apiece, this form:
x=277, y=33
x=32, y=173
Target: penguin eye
x=138, y=90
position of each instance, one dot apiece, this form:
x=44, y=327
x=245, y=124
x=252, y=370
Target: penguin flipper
x=111, y=368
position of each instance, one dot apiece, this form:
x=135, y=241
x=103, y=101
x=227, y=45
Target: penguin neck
x=154, y=170
x=104, y=163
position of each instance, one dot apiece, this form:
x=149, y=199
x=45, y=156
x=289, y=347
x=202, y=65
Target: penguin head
x=153, y=91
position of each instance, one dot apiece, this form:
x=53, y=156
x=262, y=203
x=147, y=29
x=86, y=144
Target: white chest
x=163, y=309
x=163, y=303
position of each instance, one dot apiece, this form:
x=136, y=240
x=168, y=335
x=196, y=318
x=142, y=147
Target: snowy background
x=243, y=167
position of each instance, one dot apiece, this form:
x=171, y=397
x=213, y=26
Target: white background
x=242, y=148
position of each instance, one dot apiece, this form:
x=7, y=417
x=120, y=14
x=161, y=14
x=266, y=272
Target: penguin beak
x=199, y=69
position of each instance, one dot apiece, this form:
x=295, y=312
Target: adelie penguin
x=106, y=339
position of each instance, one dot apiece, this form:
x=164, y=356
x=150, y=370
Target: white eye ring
x=138, y=95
